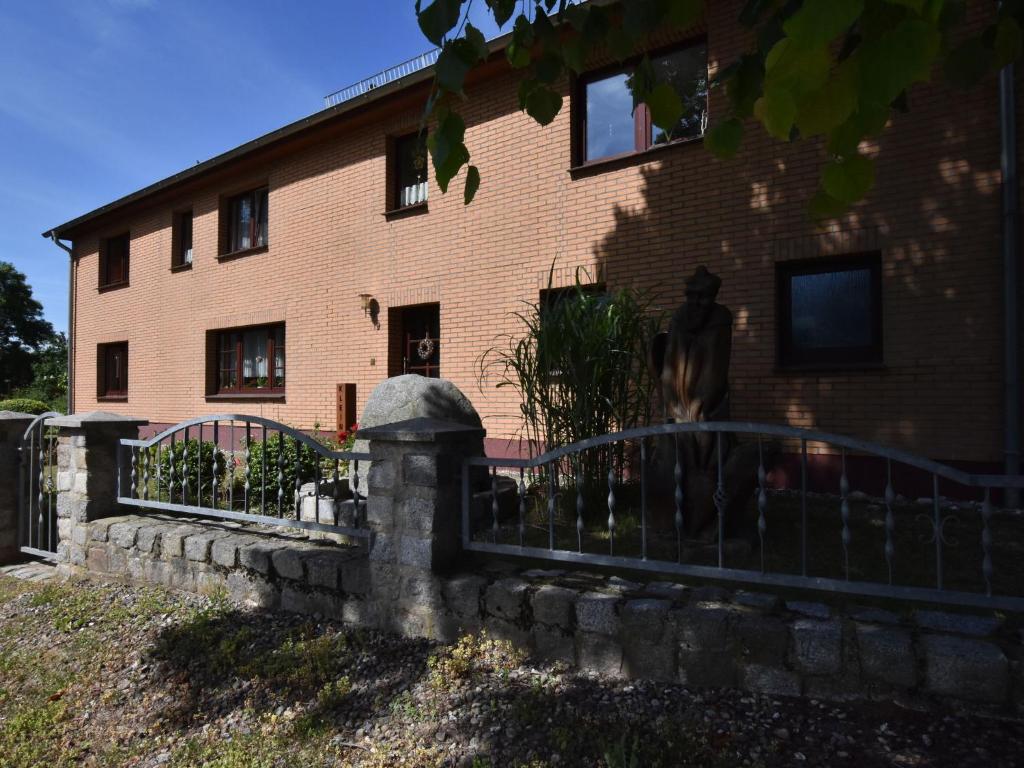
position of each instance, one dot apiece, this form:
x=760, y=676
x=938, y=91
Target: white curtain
x=254, y=354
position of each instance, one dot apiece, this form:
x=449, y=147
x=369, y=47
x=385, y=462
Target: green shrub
x=197, y=452
x=24, y=405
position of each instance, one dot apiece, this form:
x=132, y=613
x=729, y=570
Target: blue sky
x=101, y=97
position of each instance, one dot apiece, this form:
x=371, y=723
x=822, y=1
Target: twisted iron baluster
x=229, y=470
x=42, y=480
x=199, y=468
x=552, y=490
x=145, y=474
x=986, y=542
x=184, y=468
x=214, y=466
x=494, y=503
x=522, y=506
x=938, y=531
x=762, y=499
x=247, y=488
x=159, y=473
x=298, y=480
x=803, y=507
x=280, y=474
x=678, y=473
x=844, y=511
x=579, y=512
x=611, y=509
x=643, y=498
x=263, y=472
x=337, y=493
x=170, y=471
x=890, y=521
x=719, y=499
x=135, y=473
x=356, y=515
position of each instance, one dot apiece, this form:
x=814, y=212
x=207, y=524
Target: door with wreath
x=420, y=332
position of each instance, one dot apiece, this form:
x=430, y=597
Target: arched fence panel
x=37, y=489
x=753, y=503
x=246, y=468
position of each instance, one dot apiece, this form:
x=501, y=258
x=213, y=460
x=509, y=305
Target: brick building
x=260, y=280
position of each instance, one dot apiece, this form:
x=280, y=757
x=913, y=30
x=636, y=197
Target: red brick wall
x=934, y=214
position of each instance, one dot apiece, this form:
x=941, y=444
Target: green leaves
x=447, y=148
x=818, y=22
x=472, y=184
x=438, y=18
x=723, y=139
x=850, y=179
x=665, y=105
x=777, y=111
x=502, y=10
x=543, y=104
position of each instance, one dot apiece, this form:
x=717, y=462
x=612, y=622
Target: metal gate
x=37, y=489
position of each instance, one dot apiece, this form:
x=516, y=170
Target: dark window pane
x=832, y=310
x=411, y=166
x=610, y=125
x=184, y=252
x=260, y=200
x=687, y=72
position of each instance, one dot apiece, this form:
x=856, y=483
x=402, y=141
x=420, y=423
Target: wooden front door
x=420, y=334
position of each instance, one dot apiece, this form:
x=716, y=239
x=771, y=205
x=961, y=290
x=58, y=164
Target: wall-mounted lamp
x=367, y=300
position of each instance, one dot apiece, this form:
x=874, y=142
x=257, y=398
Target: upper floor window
x=610, y=126
x=830, y=311
x=114, y=253
x=182, y=240
x=410, y=169
x=247, y=220
x=250, y=360
x=112, y=370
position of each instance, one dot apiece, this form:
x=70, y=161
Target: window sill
x=113, y=286
x=181, y=267
x=408, y=210
x=246, y=252
x=112, y=399
x=615, y=162
x=836, y=369
x=247, y=396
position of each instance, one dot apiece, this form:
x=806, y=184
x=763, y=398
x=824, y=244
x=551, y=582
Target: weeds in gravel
x=471, y=655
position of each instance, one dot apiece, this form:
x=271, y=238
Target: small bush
x=24, y=405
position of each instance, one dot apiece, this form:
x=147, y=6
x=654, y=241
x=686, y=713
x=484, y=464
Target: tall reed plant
x=579, y=366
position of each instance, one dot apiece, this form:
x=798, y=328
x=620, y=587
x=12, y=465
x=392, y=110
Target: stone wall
x=701, y=637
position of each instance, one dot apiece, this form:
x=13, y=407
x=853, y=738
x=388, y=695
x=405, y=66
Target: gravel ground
x=103, y=674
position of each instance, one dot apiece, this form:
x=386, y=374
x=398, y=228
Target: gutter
x=71, y=317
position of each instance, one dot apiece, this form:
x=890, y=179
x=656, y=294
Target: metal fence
x=245, y=468
x=37, y=489
x=389, y=75
x=620, y=500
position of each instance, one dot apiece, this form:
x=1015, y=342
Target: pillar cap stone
x=420, y=430
x=94, y=418
x=15, y=416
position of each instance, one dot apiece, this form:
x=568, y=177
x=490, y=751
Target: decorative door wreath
x=425, y=349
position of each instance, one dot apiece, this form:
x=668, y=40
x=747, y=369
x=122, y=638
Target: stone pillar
x=87, y=470
x=414, y=510
x=12, y=427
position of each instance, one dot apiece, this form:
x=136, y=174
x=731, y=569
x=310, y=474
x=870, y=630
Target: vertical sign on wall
x=346, y=406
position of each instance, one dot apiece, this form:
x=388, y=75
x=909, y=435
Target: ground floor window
x=250, y=360
x=830, y=311
x=112, y=370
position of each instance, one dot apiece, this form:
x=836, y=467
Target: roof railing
x=397, y=72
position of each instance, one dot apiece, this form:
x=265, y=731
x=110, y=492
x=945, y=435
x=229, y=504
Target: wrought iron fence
x=37, y=488
x=245, y=468
x=955, y=546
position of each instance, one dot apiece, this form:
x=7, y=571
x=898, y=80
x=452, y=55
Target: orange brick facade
x=934, y=215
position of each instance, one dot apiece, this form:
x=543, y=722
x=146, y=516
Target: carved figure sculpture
x=691, y=362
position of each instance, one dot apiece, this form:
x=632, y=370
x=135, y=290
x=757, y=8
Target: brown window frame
x=231, y=235
x=106, y=362
x=395, y=186
x=184, y=222
x=789, y=357
x=109, y=256
x=641, y=115
x=236, y=337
